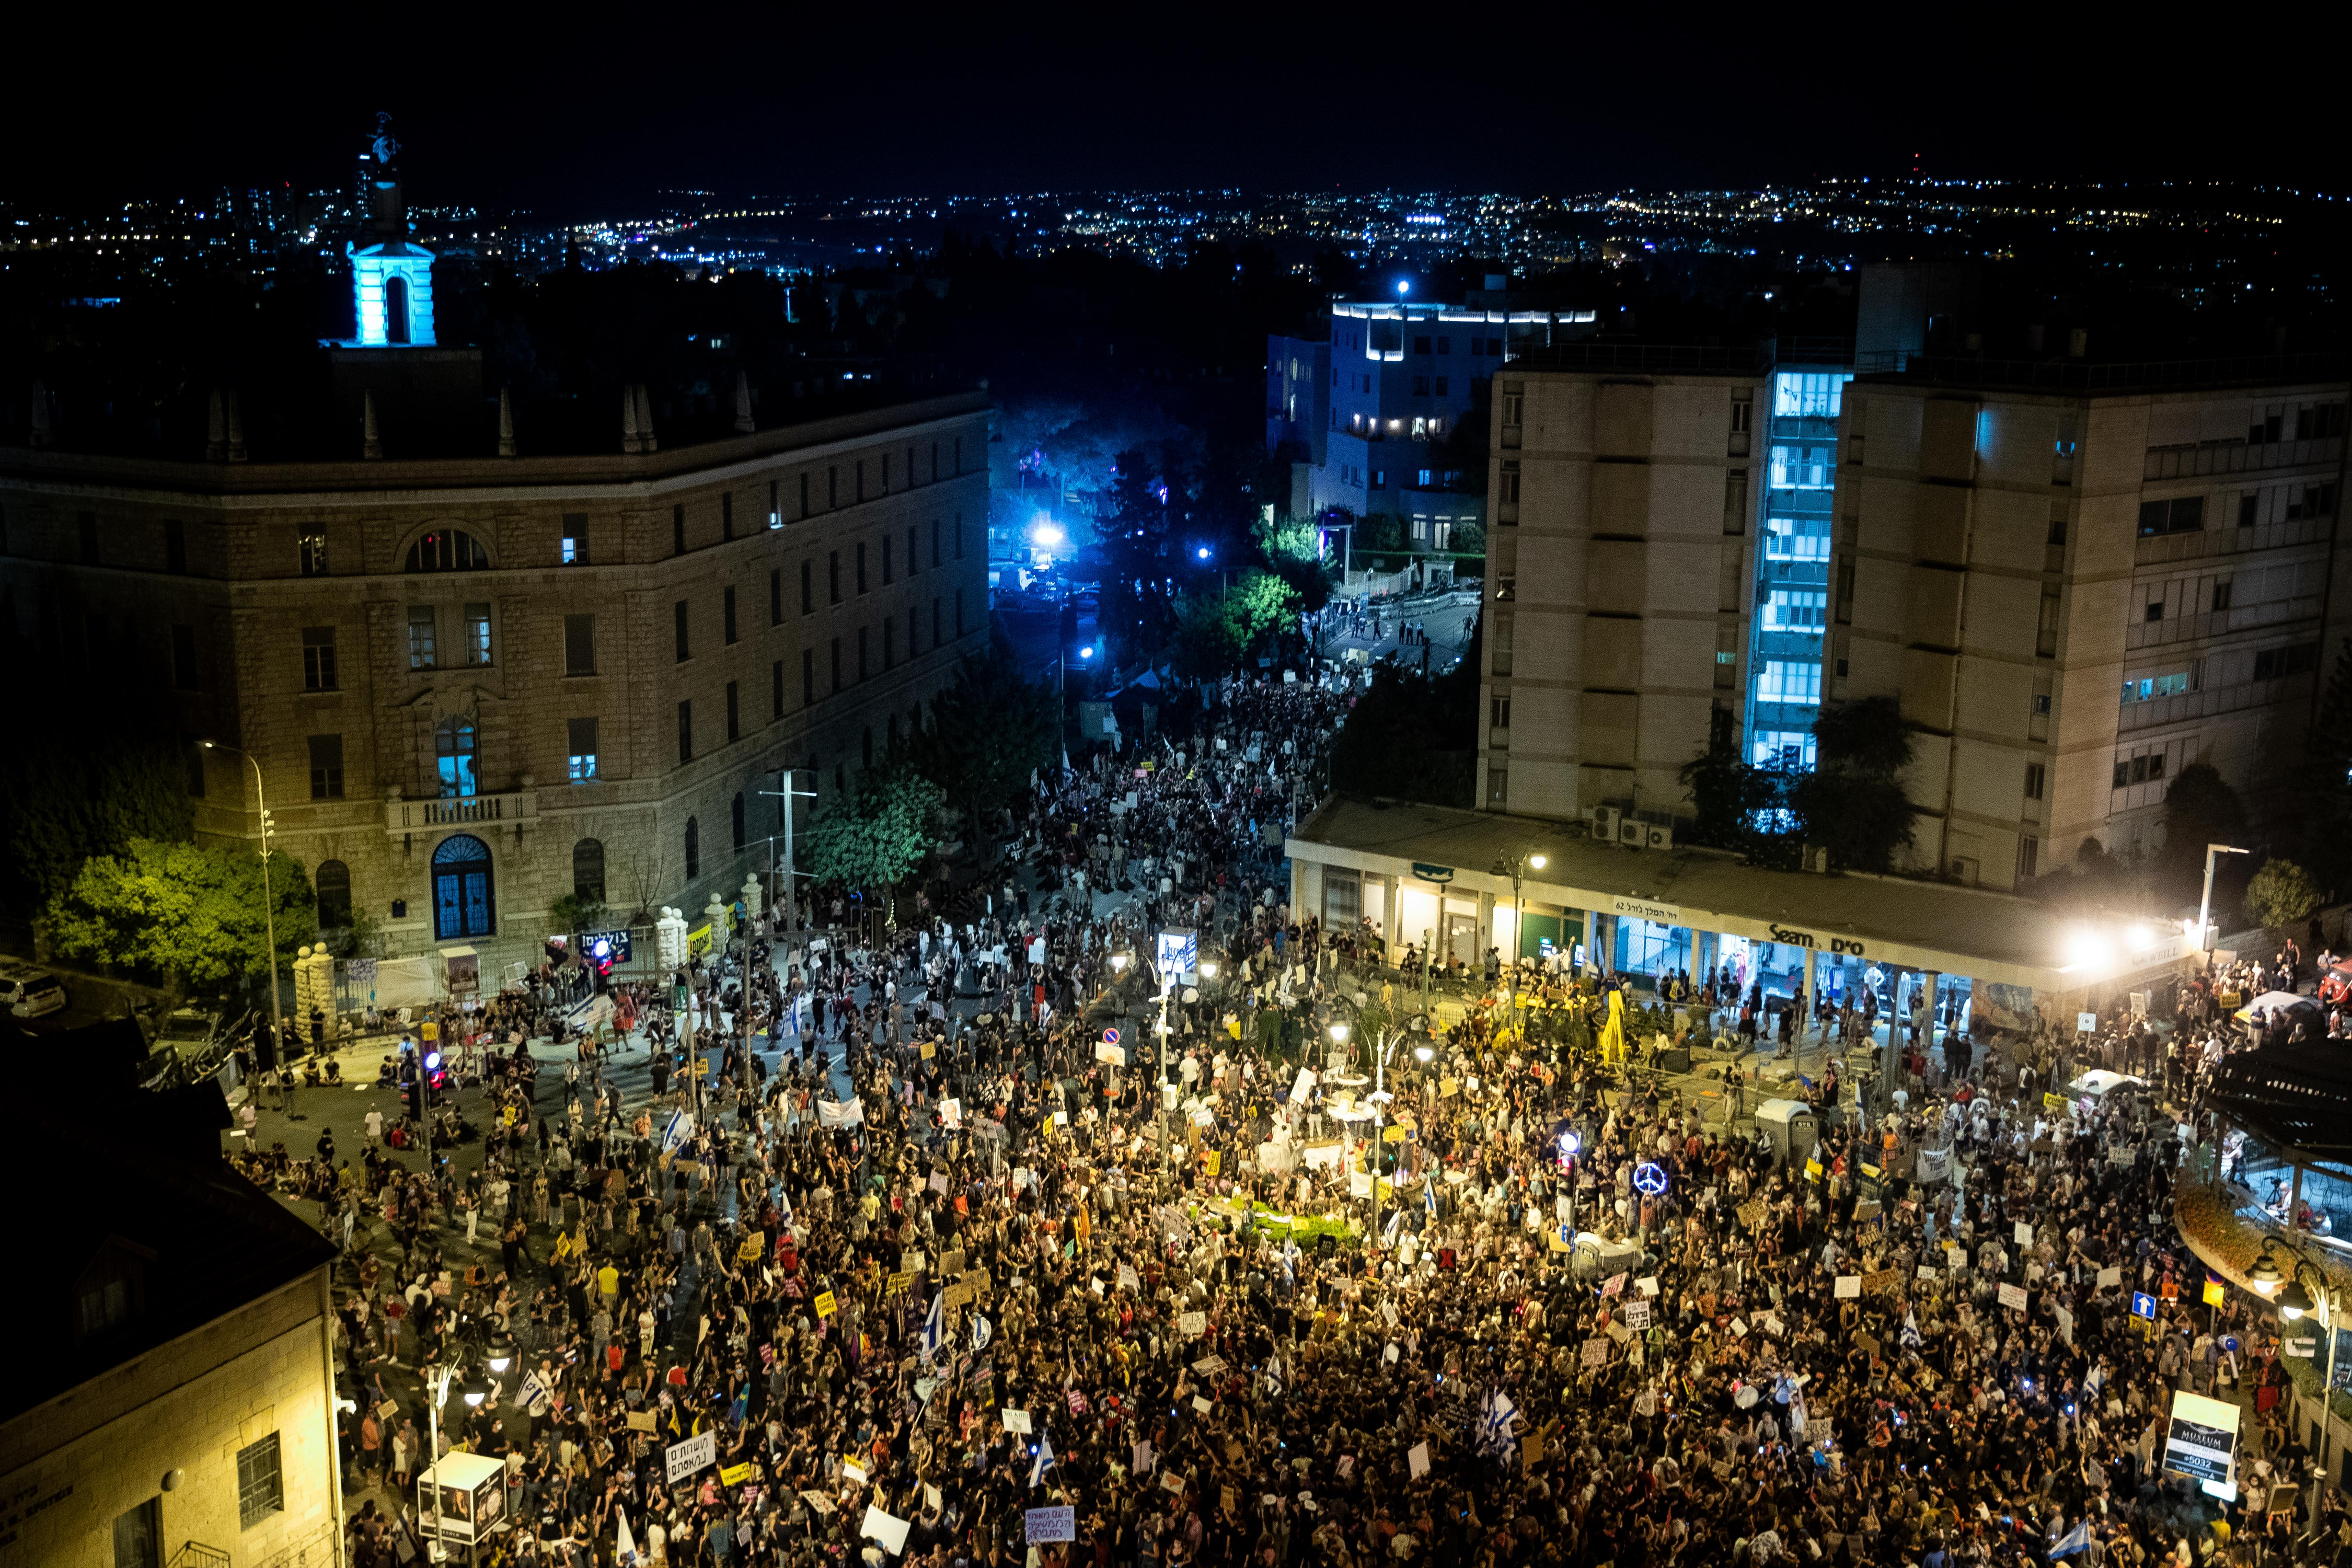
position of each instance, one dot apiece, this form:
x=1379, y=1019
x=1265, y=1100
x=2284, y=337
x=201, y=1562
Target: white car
x=37, y=994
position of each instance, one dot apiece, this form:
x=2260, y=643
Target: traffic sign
x=1110, y=1037
x=2143, y=1305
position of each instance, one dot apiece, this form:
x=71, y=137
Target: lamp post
x=268, y=904
x=2205, y=903
x=2297, y=1298
x=1516, y=866
x=437, y=1379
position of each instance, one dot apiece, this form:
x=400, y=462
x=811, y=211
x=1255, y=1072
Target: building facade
x=2080, y=579
x=472, y=686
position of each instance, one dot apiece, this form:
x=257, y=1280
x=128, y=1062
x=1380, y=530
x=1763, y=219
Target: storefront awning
x=1991, y=936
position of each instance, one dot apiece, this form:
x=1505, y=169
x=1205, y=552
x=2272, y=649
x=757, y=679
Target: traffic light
x=414, y=1090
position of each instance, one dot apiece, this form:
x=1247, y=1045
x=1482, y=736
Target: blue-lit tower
x=1792, y=561
x=392, y=279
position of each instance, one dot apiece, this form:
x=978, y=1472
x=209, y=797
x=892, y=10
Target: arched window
x=333, y=883
x=693, y=848
x=739, y=820
x=464, y=902
x=453, y=747
x=588, y=871
x=395, y=309
x=448, y=549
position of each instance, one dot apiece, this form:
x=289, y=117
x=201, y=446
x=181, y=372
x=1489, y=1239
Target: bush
x=2281, y=894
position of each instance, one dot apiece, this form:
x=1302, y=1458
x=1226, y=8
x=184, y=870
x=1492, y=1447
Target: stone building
x=181, y=1407
x=472, y=683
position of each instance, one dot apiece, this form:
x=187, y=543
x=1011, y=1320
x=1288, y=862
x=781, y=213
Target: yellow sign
x=1812, y=1169
x=697, y=941
x=1210, y=1161
x=929, y=1051
x=2053, y=1102
x=751, y=1246
x=2216, y=1293
x=899, y=1283
x=1393, y=1135
x=735, y=1475
x=825, y=1305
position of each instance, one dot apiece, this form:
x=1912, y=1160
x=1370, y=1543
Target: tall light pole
x=2205, y=903
x=1517, y=865
x=2297, y=1298
x=270, y=904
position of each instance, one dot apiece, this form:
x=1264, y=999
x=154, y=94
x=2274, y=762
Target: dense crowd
x=941, y=1265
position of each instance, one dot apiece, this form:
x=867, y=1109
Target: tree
x=987, y=734
x=879, y=836
x=2200, y=808
x=573, y=914
x=190, y=914
x=1290, y=548
x=1852, y=803
x=1412, y=736
x=85, y=791
x=2281, y=894
x=1742, y=806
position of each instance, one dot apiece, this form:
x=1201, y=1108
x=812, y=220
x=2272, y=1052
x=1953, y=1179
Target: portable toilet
x=1788, y=1123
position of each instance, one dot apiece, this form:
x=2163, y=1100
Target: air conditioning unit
x=1632, y=830
x=1604, y=824
x=1657, y=836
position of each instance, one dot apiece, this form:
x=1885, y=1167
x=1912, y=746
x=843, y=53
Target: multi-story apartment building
x=1393, y=379
x=2079, y=579
x=472, y=685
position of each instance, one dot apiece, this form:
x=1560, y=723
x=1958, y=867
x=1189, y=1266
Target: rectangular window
x=2028, y=855
x=776, y=690
x=678, y=529
x=833, y=489
x=775, y=511
x=805, y=499
x=959, y=536
x=860, y=468
x=2045, y=626
x=686, y=730
x=959, y=612
x=575, y=538
x=318, y=658
x=86, y=534
x=2250, y=508
x=727, y=514
x=836, y=665
x=1796, y=610
x=1789, y=681
x=914, y=561
x=1808, y=394
x=1441, y=383
x=727, y=599
x=861, y=567
x=833, y=575
x=175, y=547
x=420, y=636
x=580, y=644
x=139, y=1535
x=581, y=762
x=2058, y=522
x=808, y=678
x=889, y=644
x=326, y=767
x=2034, y=776
x=477, y=634
x=2222, y=594
x=1498, y=712
x=1420, y=387
x=862, y=636
x=1498, y=786
x=808, y=595
x=934, y=542
x=775, y=596
x=260, y=1483
x=914, y=632
x=678, y=615
x=1797, y=538
x=886, y=473
x=936, y=637
x=1800, y=469
x=1735, y=502
x=734, y=712
x=888, y=576
x=2182, y=514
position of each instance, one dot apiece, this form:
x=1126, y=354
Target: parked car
x=38, y=995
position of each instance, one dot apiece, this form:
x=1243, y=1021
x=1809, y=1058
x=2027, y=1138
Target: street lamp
x=268, y=904
x=2266, y=1276
x=1516, y=868
x=2205, y=903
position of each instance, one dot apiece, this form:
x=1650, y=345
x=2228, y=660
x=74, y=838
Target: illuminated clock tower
x=392, y=279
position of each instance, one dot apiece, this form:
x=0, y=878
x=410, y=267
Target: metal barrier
x=196, y=1554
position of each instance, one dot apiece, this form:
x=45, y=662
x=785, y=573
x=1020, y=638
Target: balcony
x=509, y=808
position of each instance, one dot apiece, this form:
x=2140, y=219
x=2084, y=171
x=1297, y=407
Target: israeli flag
x=2096, y=1379
x=680, y=1129
x=935, y=1324
x=1495, y=1413
x=1910, y=1330
x=1428, y=1196
x=1045, y=1458
x=533, y=1395
x=2075, y=1540
x=982, y=1333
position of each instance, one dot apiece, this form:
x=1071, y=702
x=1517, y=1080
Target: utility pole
x=788, y=794
x=2204, y=904
x=269, y=911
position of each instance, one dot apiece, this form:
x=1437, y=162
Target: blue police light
x=1403, y=287
x=1204, y=553
x=1086, y=653
x=433, y=1061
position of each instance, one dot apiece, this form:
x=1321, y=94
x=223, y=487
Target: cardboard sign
x=2023, y=1233
x=1015, y=1421
x=1170, y=1481
x=2110, y=1276
x=1849, y=1288
x=1417, y=1461
x=642, y=1421
x=1637, y=1314
x=2013, y=1296
x=1192, y=1325
x=1047, y=1525
x=691, y=1455
x=1129, y=1280
x=1595, y=1353
x=1200, y=1406
x=891, y=1533
x=825, y=1305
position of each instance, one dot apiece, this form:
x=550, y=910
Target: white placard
x=1015, y=1421
x=689, y=1454
x=2021, y=1233
x=1849, y=1288
x=2013, y=1296
x=2110, y=1276
x=1416, y=1459
x=891, y=1533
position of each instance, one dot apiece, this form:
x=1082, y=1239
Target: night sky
x=597, y=110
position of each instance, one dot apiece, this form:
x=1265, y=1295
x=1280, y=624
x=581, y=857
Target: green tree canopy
x=987, y=732
x=1853, y=804
x=1217, y=633
x=190, y=914
x=880, y=835
x=2281, y=894
x=2200, y=808
x=68, y=794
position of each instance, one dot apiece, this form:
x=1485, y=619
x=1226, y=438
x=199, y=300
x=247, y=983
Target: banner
x=841, y=1113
